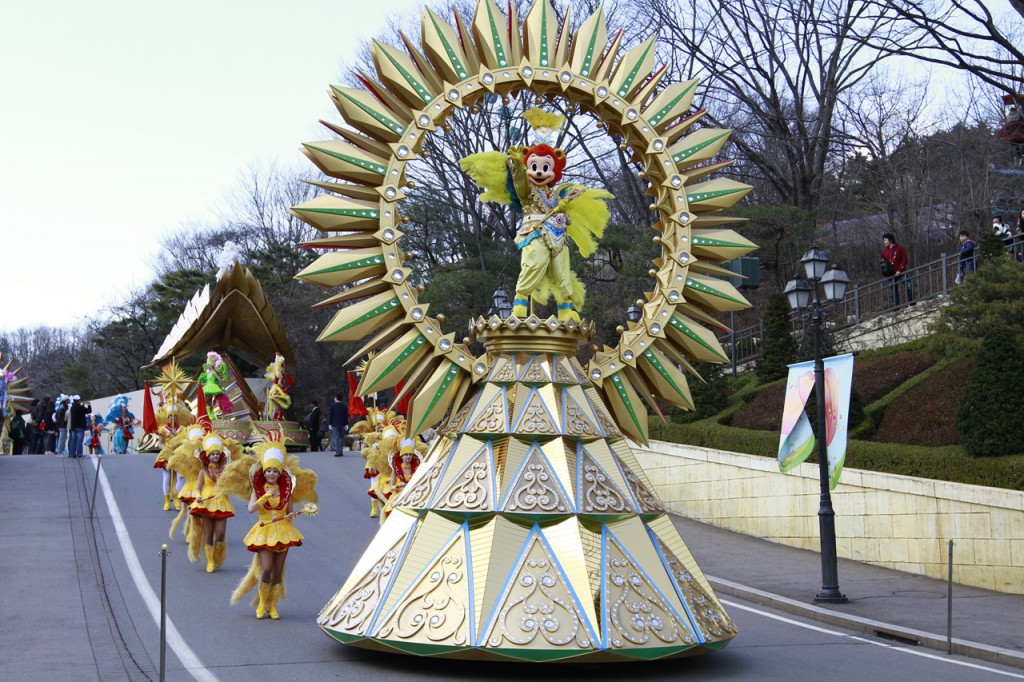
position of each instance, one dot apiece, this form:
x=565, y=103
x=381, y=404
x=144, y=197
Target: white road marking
x=175, y=641
x=884, y=645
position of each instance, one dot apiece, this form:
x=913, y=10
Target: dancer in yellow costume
x=185, y=464
x=211, y=507
x=277, y=483
x=172, y=417
x=527, y=178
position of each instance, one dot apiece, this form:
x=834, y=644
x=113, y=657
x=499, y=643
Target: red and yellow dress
x=211, y=503
x=274, y=531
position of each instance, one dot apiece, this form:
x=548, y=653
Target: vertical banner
x=796, y=440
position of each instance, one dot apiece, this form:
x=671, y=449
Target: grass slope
x=910, y=399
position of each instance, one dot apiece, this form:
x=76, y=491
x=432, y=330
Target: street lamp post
x=501, y=306
x=802, y=293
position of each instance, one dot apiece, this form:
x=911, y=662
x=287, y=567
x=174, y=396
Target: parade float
x=235, y=316
x=15, y=397
x=529, y=531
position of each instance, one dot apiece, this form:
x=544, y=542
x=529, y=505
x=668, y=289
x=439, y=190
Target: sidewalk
x=48, y=540
x=907, y=608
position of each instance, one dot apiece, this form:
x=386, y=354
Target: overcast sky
x=121, y=120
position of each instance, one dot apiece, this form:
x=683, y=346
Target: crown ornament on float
x=529, y=531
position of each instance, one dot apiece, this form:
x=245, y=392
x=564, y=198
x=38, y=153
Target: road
x=212, y=640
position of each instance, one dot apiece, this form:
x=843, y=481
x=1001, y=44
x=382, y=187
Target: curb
x=902, y=634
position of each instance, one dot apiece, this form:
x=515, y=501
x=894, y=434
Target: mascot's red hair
x=557, y=157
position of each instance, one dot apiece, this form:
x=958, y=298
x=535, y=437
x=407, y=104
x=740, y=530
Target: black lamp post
x=500, y=306
x=803, y=293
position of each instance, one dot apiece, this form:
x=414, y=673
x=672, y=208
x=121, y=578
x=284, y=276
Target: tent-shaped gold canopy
x=236, y=315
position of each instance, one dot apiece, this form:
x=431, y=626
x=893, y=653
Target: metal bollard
x=163, y=611
x=95, y=483
x=949, y=604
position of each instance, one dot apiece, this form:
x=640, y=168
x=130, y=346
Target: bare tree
x=959, y=34
x=775, y=71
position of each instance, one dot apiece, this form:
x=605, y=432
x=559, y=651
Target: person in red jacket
x=896, y=256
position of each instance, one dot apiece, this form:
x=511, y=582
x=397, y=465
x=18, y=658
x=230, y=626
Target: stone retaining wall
x=893, y=521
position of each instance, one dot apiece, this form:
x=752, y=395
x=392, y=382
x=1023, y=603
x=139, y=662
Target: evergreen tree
x=779, y=347
x=991, y=247
x=987, y=428
x=992, y=296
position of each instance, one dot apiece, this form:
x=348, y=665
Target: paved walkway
x=46, y=615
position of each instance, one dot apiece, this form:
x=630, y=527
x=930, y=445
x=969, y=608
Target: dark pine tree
x=987, y=428
x=779, y=347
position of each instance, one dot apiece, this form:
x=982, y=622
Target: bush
x=925, y=413
x=986, y=420
x=944, y=464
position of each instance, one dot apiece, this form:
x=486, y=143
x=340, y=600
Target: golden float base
x=529, y=532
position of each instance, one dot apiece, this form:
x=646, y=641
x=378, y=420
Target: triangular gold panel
x=534, y=371
x=416, y=495
x=472, y=489
x=636, y=614
x=611, y=430
x=564, y=373
x=502, y=370
x=536, y=489
x=646, y=498
x=628, y=461
x=705, y=614
x=532, y=414
x=464, y=450
x=539, y=609
x=436, y=608
x=597, y=491
x=703, y=606
x=457, y=422
x=578, y=417
x=490, y=414
x=352, y=610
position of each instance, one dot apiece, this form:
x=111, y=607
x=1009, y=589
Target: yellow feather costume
x=551, y=214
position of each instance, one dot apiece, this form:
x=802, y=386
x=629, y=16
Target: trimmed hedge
x=944, y=463
x=948, y=463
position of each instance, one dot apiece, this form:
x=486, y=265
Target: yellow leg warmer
x=275, y=592
x=208, y=551
x=374, y=508
x=220, y=553
x=261, y=609
x=167, y=502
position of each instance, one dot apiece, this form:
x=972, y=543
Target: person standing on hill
x=894, y=264
x=966, y=263
x=337, y=418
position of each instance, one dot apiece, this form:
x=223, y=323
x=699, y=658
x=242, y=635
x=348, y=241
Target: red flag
x=356, y=406
x=148, y=415
x=402, y=406
x=202, y=414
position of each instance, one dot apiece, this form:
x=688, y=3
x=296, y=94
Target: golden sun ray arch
x=415, y=90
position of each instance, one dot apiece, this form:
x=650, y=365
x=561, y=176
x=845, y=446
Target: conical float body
x=529, y=532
